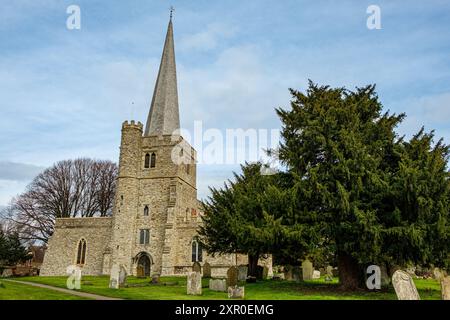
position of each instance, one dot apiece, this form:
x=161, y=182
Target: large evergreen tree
x=235, y=219
x=360, y=189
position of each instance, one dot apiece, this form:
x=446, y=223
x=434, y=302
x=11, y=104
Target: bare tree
x=70, y=188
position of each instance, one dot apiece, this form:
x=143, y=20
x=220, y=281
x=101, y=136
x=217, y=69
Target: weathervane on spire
x=172, y=9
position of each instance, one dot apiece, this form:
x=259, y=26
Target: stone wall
x=63, y=245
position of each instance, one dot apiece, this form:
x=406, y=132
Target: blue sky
x=64, y=93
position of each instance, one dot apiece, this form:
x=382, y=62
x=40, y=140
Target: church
x=156, y=214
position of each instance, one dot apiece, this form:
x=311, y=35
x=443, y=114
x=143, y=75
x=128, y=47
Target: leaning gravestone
x=307, y=270
x=445, y=288
x=206, y=270
x=242, y=272
x=236, y=292
x=218, y=285
x=114, y=277
x=196, y=267
x=194, y=283
x=438, y=274
x=404, y=286
x=232, y=276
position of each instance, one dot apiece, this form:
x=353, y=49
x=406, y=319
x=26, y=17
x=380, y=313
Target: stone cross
x=404, y=286
x=194, y=283
x=206, y=270
x=232, y=276
x=307, y=270
x=445, y=288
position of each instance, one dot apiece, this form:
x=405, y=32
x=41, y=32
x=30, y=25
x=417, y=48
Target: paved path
x=68, y=291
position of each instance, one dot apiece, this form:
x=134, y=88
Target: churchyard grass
x=17, y=291
x=174, y=288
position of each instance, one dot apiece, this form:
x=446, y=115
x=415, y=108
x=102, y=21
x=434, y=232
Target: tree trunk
x=349, y=272
x=252, y=264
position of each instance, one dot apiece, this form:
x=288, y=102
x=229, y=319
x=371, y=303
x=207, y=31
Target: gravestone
x=155, y=279
x=404, y=286
x=194, y=283
x=114, y=277
x=122, y=277
x=242, y=272
x=307, y=270
x=232, y=276
x=7, y=272
x=259, y=272
x=288, y=273
x=329, y=271
x=206, y=270
x=196, y=267
x=236, y=292
x=316, y=274
x=297, y=273
x=438, y=274
x=218, y=285
x=140, y=271
x=445, y=288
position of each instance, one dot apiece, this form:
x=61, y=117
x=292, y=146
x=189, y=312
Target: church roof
x=163, y=117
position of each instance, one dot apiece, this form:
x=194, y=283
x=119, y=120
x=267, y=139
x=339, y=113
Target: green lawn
x=174, y=288
x=17, y=291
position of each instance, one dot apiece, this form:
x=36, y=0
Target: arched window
x=153, y=160
x=81, y=252
x=197, y=251
x=147, y=161
x=146, y=211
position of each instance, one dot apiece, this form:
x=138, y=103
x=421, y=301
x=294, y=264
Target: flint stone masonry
x=404, y=286
x=194, y=283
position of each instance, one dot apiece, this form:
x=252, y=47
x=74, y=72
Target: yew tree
x=358, y=187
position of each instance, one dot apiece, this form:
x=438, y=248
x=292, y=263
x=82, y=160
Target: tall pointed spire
x=163, y=117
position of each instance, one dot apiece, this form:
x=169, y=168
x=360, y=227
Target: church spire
x=163, y=117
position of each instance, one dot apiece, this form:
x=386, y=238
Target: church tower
x=156, y=196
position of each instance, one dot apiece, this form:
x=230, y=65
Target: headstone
x=322, y=270
x=329, y=271
x=445, y=288
x=7, y=272
x=316, y=274
x=206, y=270
x=259, y=272
x=232, y=276
x=196, y=267
x=307, y=270
x=404, y=286
x=140, y=272
x=114, y=277
x=297, y=273
x=218, y=285
x=155, y=279
x=236, y=292
x=242, y=272
x=194, y=283
x=288, y=273
x=122, y=277
x=438, y=274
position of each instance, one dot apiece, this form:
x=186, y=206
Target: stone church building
x=156, y=214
